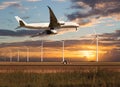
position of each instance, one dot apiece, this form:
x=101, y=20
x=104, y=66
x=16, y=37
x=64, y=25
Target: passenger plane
x=49, y=28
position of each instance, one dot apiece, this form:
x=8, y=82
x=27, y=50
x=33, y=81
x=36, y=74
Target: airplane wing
x=52, y=32
x=53, y=20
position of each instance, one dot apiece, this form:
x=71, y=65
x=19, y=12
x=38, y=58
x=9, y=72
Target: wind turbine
x=97, y=45
x=18, y=55
x=63, y=43
x=41, y=51
x=27, y=54
x=11, y=55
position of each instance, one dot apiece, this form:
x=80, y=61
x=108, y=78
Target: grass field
x=83, y=74
x=66, y=79
x=60, y=63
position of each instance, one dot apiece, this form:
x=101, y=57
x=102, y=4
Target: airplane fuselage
x=46, y=25
x=37, y=25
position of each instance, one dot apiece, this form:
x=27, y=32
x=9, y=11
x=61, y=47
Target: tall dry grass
x=92, y=78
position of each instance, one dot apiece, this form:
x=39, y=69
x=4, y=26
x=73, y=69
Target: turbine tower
x=18, y=56
x=11, y=55
x=97, y=49
x=63, y=43
x=97, y=45
x=41, y=51
x=27, y=54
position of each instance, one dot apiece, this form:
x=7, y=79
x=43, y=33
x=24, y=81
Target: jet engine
x=45, y=32
x=49, y=32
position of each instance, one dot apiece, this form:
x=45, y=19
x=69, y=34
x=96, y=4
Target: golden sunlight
x=90, y=55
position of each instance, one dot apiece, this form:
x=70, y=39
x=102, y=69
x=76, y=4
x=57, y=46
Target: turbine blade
x=94, y=31
x=93, y=41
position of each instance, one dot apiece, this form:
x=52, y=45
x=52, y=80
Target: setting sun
x=88, y=54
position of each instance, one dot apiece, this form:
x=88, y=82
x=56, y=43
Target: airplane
x=49, y=28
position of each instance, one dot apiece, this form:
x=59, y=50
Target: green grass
x=91, y=78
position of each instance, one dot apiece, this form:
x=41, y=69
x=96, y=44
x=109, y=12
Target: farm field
x=60, y=63
x=56, y=74
x=53, y=67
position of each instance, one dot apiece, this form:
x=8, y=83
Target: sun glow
x=90, y=55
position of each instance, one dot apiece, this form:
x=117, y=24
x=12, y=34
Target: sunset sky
x=101, y=15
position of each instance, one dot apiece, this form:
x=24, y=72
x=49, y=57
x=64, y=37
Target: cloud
x=19, y=44
x=89, y=10
x=104, y=39
x=110, y=24
x=21, y=33
x=7, y=4
x=108, y=39
x=33, y=0
x=14, y=4
x=59, y=0
x=115, y=34
x=112, y=55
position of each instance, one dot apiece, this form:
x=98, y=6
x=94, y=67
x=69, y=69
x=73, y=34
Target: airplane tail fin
x=20, y=21
x=53, y=20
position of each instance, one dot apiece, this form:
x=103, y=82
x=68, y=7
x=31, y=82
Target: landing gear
x=76, y=28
